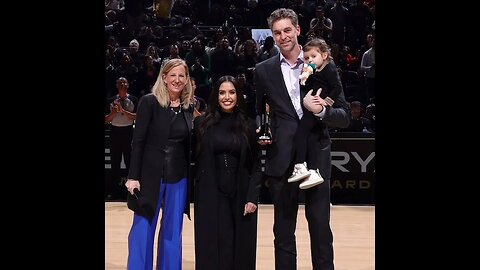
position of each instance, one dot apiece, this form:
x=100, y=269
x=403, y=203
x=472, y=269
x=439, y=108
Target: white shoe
x=300, y=172
x=314, y=179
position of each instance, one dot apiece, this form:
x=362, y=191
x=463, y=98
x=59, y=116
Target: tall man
x=278, y=78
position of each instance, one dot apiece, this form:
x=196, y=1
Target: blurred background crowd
x=229, y=37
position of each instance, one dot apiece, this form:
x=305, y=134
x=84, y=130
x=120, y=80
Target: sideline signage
x=353, y=168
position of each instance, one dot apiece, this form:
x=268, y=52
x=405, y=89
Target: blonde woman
x=159, y=169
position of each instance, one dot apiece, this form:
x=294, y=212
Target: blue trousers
x=172, y=199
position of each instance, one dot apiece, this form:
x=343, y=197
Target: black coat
x=284, y=120
x=279, y=164
x=329, y=80
x=206, y=203
x=152, y=127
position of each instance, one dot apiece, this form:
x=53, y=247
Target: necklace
x=176, y=110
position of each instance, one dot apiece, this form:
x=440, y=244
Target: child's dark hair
x=320, y=44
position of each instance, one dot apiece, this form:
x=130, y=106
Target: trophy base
x=264, y=138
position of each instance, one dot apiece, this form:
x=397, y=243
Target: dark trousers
x=306, y=124
x=317, y=211
x=120, y=145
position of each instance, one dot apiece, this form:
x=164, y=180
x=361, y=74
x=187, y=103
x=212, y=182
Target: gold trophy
x=265, y=133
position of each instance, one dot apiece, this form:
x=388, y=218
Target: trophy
x=264, y=133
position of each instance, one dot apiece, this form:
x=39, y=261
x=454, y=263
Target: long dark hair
x=243, y=125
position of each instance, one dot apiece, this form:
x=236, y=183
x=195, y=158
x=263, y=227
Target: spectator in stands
x=234, y=16
x=370, y=115
x=146, y=38
x=135, y=54
x=217, y=15
x=325, y=5
x=244, y=34
x=173, y=54
x=227, y=183
x=126, y=68
x=360, y=20
x=358, y=123
x=278, y=78
x=324, y=82
x=135, y=11
x=249, y=57
x=199, y=63
x=181, y=8
x=368, y=66
x=199, y=104
x=339, y=15
x=111, y=48
x=268, y=49
x=189, y=31
x=223, y=61
x=160, y=39
x=147, y=76
x=352, y=62
x=367, y=44
x=110, y=19
x=304, y=14
x=184, y=47
x=217, y=38
x=152, y=51
x=244, y=86
x=121, y=115
x=254, y=15
x=321, y=26
x=160, y=168
x=114, y=5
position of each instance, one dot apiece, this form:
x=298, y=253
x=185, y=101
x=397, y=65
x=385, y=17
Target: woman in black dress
x=227, y=182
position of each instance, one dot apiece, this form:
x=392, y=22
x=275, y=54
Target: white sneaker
x=300, y=172
x=314, y=179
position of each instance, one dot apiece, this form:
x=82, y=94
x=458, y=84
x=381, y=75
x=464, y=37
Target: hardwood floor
x=353, y=233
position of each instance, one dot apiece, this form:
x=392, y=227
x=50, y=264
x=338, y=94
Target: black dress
x=227, y=177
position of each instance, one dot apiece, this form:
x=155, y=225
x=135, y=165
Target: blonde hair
x=160, y=90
